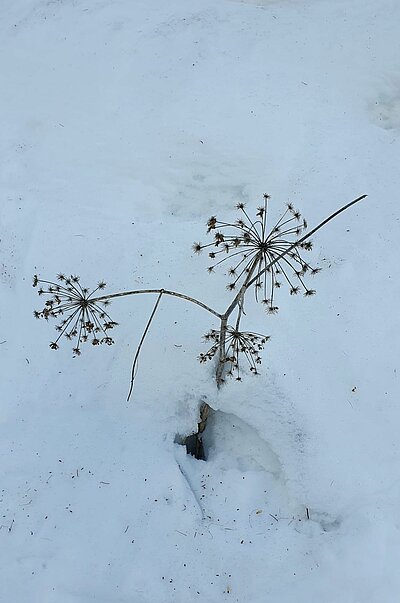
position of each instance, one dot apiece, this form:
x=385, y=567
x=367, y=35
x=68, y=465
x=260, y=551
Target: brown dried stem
x=164, y=292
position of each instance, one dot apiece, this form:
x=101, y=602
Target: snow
x=125, y=125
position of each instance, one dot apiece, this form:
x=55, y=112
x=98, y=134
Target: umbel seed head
x=81, y=317
x=261, y=252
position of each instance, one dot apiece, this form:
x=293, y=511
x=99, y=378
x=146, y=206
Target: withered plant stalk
x=262, y=255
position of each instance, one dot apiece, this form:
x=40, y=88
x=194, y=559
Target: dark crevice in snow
x=194, y=441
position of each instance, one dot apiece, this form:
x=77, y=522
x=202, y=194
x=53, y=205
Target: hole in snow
x=236, y=445
x=194, y=445
x=242, y=479
x=232, y=443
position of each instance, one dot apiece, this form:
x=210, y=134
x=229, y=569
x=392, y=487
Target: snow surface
x=124, y=125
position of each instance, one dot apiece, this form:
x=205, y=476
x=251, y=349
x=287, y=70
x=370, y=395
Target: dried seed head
x=238, y=345
x=82, y=312
x=262, y=251
x=211, y=224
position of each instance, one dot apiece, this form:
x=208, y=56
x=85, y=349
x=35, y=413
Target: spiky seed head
x=211, y=223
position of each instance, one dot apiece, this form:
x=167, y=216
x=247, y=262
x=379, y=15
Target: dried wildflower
x=238, y=344
x=255, y=249
x=79, y=312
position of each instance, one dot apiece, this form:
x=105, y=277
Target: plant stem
x=219, y=373
x=164, y=291
x=141, y=343
x=224, y=323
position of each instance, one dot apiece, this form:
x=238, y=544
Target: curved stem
x=164, y=292
x=141, y=343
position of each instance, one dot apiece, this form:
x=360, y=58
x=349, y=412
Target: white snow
x=124, y=126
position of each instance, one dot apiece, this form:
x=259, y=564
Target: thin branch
x=135, y=360
x=164, y=291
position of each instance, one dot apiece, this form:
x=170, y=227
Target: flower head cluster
x=238, y=344
x=81, y=317
x=271, y=256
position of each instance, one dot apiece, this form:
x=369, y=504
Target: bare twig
x=135, y=360
x=164, y=291
x=307, y=236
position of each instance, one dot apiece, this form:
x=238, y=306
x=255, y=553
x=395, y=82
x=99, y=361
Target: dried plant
x=237, y=343
x=81, y=318
x=273, y=255
x=261, y=257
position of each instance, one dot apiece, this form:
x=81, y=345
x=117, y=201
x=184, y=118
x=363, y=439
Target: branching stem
x=249, y=281
x=70, y=297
